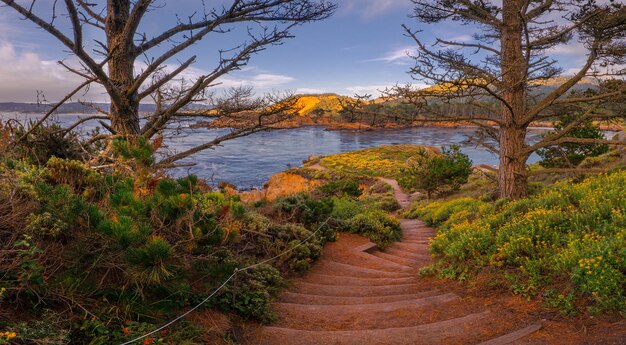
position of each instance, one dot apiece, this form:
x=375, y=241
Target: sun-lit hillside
x=560, y=80
x=327, y=102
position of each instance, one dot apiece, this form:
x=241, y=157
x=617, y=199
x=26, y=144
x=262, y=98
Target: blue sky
x=359, y=50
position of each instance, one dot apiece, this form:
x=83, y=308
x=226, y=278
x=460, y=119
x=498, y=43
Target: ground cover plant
x=381, y=161
x=565, y=244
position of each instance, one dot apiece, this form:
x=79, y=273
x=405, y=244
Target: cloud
x=257, y=81
x=305, y=90
x=374, y=90
x=571, y=48
x=372, y=8
x=400, y=56
x=460, y=38
x=24, y=73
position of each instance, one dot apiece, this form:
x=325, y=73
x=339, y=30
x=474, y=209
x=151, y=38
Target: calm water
x=249, y=161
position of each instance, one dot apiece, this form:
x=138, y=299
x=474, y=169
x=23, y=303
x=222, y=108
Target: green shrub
x=568, y=155
x=303, y=209
x=139, y=150
x=346, y=208
x=376, y=225
x=308, y=247
x=46, y=141
x=385, y=202
x=74, y=174
x=433, y=172
x=341, y=187
x=251, y=292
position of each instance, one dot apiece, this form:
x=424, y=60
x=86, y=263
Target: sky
x=360, y=49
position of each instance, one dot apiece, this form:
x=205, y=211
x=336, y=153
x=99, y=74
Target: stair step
x=353, y=290
x=408, y=255
x=324, y=279
x=442, y=332
x=298, y=298
x=513, y=336
x=411, y=247
x=365, y=316
x=329, y=267
x=416, y=241
x=369, y=261
x=414, y=224
x=401, y=260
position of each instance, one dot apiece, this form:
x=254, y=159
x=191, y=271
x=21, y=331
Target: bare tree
x=112, y=62
x=496, y=73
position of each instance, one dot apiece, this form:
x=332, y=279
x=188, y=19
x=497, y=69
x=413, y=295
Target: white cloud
x=22, y=74
x=373, y=8
x=374, y=90
x=306, y=90
x=269, y=80
x=258, y=81
x=400, y=56
x=460, y=38
x=571, y=48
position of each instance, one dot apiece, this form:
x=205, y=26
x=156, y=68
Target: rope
x=171, y=322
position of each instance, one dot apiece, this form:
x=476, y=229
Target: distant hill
x=68, y=108
x=328, y=102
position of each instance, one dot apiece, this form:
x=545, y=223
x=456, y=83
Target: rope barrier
x=171, y=322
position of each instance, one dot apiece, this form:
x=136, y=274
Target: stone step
x=418, y=232
x=411, y=247
x=353, y=290
x=513, y=336
x=414, y=224
x=424, y=239
x=298, y=298
x=442, y=332
x=416, y=240
x=401, y=260
x=408, y=255
x=367, y=260
x=416, y=237
x=334, y=268
x=364, y=316
x=324, y=279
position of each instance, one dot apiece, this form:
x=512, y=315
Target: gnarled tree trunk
x=124, y=111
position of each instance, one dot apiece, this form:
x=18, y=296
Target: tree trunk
x=512, y=179
x=125, y=111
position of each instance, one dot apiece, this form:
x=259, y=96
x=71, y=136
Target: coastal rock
x=279, y=185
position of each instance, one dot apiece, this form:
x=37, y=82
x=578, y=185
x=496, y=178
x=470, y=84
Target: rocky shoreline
x=330, y=125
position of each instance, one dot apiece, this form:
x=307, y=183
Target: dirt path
x=357, y=294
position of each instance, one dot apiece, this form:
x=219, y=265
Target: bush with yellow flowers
x=569, y=241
